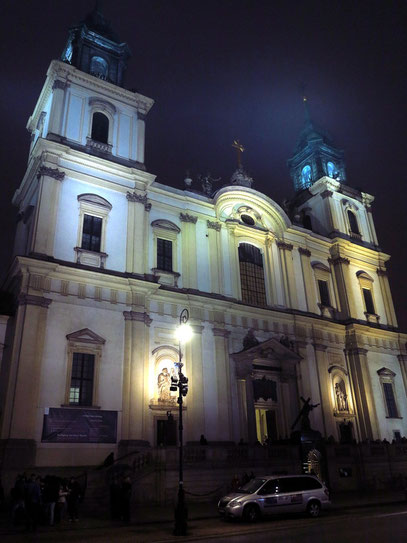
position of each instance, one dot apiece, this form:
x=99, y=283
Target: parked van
x=274, y=495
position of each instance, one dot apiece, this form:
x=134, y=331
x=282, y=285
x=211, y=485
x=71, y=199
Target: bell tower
x=93, y=47
x=315, y=156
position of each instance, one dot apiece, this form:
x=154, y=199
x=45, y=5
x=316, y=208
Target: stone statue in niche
x=250, y=340
x=163, y=385
x=341, y=397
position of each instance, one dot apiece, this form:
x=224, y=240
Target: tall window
x=252, y=275
x=353, y=223
x=100, y=127
x=164, y=254
x=98, y=67
x=81, y=389
x=368, y=298
x=91, y=233
x=324, y=293
x=306, y=176
x=390, y=400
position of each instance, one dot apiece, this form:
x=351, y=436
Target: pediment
x=86, y=336
x=271, y=349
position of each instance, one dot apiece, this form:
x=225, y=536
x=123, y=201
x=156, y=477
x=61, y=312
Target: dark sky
x=227, y=69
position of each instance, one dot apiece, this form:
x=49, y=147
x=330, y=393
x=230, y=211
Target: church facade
x=284, y=303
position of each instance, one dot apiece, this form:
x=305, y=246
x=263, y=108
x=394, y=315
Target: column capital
x=51, y=172
x=285, y=246
x=214, y=225
x=185, y=217
x=304, y=251
x=139, y=198
x=326, y=194
x=31, y=299
x=301, y=344
x=381, y=272
x=402, y=357
x=220, y=332
x=339, y=260
x=137, y=316
x=58, y=84
x=320, y=347
x=357, y=351
x=197, y=328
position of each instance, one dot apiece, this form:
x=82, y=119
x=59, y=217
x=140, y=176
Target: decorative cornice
x=304, y=251
x=339, y=260
x=381, y=273
x=285, y=246
x=31, y=299
x=58, y=84
x=51, y=172
x=184, y=217
x=215, y=225
x=220, y=332
x=326, y=194
x=320, y=347
x=138, y=316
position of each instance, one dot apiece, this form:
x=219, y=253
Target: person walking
x=74, y=495
x=32, y=500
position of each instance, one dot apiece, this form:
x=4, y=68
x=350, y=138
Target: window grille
x=252, y=275
x=324, y=292
x=390, y=400
x=367, y=295
x=164, y=254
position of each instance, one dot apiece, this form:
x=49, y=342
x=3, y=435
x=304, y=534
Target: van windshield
x=252, y=486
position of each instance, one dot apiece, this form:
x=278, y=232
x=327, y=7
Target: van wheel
x=314, y=509
x=251, y=513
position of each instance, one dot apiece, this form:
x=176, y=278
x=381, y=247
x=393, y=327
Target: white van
x=274, y=495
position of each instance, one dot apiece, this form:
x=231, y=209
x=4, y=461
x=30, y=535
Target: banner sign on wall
x=79, y=426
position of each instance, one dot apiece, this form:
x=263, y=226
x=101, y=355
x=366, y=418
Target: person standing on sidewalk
x=125, y=499
x=74, y=495
x=32, y=499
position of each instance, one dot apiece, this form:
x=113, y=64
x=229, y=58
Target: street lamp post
x=180, y=383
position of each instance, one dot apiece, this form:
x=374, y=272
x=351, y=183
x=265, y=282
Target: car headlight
x=235, y=503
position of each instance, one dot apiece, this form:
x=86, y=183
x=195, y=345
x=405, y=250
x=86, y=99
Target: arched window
x=330, y=168
x=98, y=67
x=306, y=176
x=100, y=127
x=252, y=275
x=353, y=223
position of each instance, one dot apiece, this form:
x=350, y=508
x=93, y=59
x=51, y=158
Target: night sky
x=233, y=69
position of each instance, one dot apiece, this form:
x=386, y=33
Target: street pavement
x=155, y=524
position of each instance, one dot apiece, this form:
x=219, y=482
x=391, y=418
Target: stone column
x=189, y=264
x=43, y=236
x=251, y=412
x=21, y=409
x=402, y=358
x=290, y=287
x=215, y=256
x=362, y=388
x=135, y=340
x=270, y=276
x=136, y=232
x=387, y=297
x=194, y=372
x=303, y=370
x=233, y=261
x=343, y=282
x=309, y=282
x=57, y=107
x=141, y=132
x=223, y=383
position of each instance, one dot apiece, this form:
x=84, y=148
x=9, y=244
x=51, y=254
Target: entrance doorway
x=266, y=425
x=166, y=432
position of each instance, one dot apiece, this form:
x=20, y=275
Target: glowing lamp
x=183, y=332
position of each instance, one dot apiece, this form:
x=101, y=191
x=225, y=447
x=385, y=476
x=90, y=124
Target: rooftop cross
x=239, y=149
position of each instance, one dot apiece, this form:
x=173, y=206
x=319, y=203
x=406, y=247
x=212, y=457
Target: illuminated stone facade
x=284, y=304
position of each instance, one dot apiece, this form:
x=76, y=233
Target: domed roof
x=96, y=21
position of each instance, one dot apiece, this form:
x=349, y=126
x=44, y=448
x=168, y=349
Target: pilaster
x=362, y=388
x=308, y=278
x=138, y=207
x=270, y=272
x=57, y=107
x=371, y=226
x=21, y=409
x=251, y=412
x=141, y=134
x=330, y=212
x=223, y=383
x=343, y=284
x=215, y=256
x=290, y=287
x=189, y=252
x=322, y=372
x=402, y=358
x=136, y=336
x=194, y=372
x=387, y=297
x=43, y=237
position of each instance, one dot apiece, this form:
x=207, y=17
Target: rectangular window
x=367, y=295
x=81, y=389
x=324, y=292
x=390, y=400
x=164, y=254
x=91, y=233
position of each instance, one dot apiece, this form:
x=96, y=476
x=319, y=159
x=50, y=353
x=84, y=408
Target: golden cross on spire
x=239, y=149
